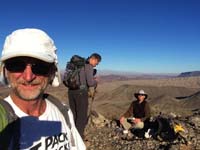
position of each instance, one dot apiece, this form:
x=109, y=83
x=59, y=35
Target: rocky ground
x=103, y=134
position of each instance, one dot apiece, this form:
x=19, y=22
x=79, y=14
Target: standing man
x=78, y=98
x=29, y=64
x=139, y=111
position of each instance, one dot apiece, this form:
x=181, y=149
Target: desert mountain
x=164, y=99
x=111, y=78
x=190, y=74
x=192, y=102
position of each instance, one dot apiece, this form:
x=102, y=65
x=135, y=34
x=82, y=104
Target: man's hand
x=137, y=120
x=121, y=119
x=91, y=92
x=97, y=78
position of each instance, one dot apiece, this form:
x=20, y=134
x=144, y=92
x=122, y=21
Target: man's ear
x=4, y=75
x=52, y=74
x=51, y=78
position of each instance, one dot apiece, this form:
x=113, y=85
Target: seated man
x=139, y=111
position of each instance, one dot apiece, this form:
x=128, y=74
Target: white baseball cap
x=34, y=43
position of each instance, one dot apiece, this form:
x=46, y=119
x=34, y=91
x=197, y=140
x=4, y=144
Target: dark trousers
x=78, y=101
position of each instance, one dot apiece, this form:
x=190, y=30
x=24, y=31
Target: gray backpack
x=72, y=72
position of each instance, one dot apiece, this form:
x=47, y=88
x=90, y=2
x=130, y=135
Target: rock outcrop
x=109, y=136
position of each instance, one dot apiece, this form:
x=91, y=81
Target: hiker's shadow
x=21, y=133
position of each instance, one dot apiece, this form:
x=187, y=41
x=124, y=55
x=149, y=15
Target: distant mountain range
x=112, y=75
x=190, y=74
x=132, y=73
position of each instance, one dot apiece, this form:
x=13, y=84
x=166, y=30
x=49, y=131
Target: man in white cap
x=29, y=65
x=137, y=114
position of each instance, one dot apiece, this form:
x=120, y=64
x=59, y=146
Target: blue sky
x=149, y=36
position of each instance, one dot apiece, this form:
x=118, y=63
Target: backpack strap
x=7, y=114
x=8, y=126
x=63, y=108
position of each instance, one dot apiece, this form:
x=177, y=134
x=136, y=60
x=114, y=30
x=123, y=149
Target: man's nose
x=28, y=75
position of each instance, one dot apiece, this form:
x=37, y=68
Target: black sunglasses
x=141, y=95
x=38, y=67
